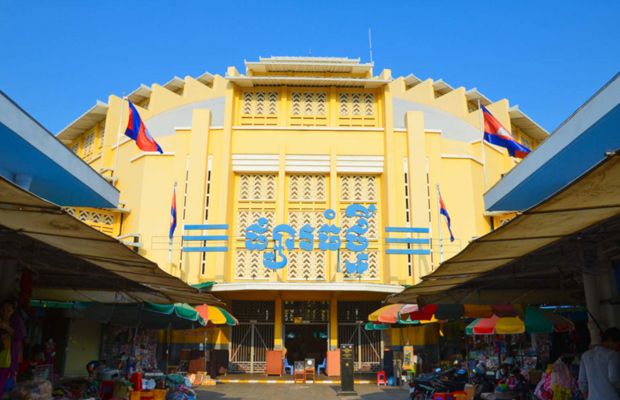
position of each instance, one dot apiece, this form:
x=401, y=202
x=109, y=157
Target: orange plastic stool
x=381, y=378
x=459, y=395
x=107, y=390
x=443, y=396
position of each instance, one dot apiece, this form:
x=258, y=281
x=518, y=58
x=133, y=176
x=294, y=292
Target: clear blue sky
x=58, y=57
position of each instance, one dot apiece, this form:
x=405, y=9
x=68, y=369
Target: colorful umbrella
x=147, y=315
x=376, y=327
x=496, y=325
x=546, y=321
x=216, y=315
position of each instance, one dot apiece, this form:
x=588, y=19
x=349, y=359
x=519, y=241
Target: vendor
x=503, y=373
x=27, y=368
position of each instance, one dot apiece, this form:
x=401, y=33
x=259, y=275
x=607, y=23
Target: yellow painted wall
x=146, y=181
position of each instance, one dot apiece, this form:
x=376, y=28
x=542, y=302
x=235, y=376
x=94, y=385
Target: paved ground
x=230, y=391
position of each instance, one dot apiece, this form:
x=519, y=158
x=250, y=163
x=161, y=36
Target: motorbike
x=483, y=383
x=425, y=386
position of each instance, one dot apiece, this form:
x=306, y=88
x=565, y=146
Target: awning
x=538, y=256
x=75, y=262
x=145, y=315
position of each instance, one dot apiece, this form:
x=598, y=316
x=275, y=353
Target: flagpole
x=118, y=139
x=484, y=164
x=175, y=200
x=439, y=223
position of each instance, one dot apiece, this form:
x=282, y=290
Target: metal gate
x=367, y=345
x=248, y=346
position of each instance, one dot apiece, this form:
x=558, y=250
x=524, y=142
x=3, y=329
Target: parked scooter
x=425, y=386
x=483, y=383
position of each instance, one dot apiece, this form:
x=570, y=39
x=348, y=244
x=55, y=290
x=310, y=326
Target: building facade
x=307, y=192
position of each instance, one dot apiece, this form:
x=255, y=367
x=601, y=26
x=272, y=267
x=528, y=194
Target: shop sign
x=328, y=238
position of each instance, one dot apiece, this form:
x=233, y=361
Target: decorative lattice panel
x=245, y=181
x=321, y=103
x=96, y=217
x=346, y=223
x=261, y=311
x=320, y=183
x=343, y=103
x=369, y=104
x=371, y=274
x=70, y=211
x=307, y=188
x=75, y=148
x=297, y=219
x=246, y=218
x=108, y=219
x=84, y=215
x=249, y=265
x=89, y=145
x=356, y=104
x=311, y=311
x=358, y=188
x=101, y=136
x=257, y=187
x=351, y=311
x=296, y=103
x=260, y=99
x=309, y=103
x=294, y=187
x=272, y=105
x=247, y=107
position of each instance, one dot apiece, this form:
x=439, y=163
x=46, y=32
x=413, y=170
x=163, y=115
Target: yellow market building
x=300, y=142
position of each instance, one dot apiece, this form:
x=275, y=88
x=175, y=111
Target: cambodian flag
x=496, y=134
x=138, y=132
x=443, y=211
x=173, y=213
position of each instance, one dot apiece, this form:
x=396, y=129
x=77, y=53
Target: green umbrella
x=146, y=315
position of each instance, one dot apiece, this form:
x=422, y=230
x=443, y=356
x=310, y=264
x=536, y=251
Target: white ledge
x=462, y=156
x=151, y=153
x=319, y=286
x=306, y=128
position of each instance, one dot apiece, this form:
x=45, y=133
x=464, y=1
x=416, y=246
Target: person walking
x=599, y=373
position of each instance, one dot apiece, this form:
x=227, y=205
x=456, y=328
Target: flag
x=137, y=131
x=496, y=134
x=443, y=211
x=173, y=213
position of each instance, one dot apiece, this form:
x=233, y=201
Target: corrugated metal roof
x=85, y=122
x=95, y=255
x=589, y=200
x=175, y=84
x=250, y=81
x=526, y=124
x=473, y=95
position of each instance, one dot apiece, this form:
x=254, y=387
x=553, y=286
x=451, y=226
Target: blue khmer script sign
x=328, y=238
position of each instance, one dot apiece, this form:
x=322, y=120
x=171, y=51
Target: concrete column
x=277, y=337
x=333, y=324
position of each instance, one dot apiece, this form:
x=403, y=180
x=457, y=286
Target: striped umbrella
x=216, y=315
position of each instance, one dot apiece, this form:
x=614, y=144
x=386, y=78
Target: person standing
x=599, y=373
x=7, y=309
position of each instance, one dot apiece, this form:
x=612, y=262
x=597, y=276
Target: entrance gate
x=367, y=346
x=249, y=345
x=253, y=337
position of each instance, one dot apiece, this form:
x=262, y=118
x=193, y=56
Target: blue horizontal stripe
x=408, y=251
x=412, y=230
x=206, y=237
x=204, y=249
x=192, y=227
x=407, y=240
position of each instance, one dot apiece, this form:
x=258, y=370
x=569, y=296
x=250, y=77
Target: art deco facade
x=288, y=141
